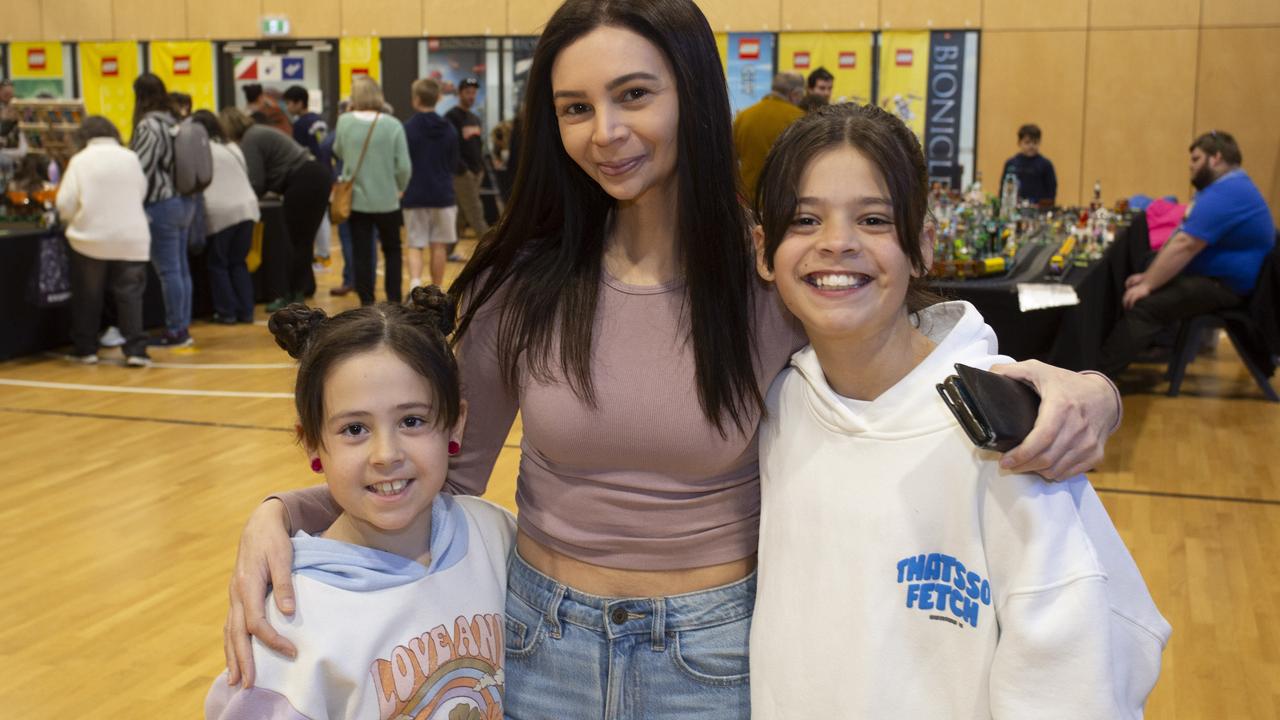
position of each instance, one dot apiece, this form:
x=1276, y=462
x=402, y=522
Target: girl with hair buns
x=403, y=566
x=615, y=306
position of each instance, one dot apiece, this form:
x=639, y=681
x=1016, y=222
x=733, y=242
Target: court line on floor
x=134, y=418
x=192, y=366
x=144, y=390
x=1189, y=496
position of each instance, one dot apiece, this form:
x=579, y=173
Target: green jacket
x=386, y=168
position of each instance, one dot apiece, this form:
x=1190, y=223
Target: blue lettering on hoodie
x=941, y=585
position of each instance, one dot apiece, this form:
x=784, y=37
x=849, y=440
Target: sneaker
x=223, y=319
x=84, y=359
x=172, y=340
x=456, y=257
x=142, y=361
x=277, y=304
x=111, y=337
x=340, y=290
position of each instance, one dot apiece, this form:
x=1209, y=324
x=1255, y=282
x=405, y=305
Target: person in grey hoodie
x=429, y=203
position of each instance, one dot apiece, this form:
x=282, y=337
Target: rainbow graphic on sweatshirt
x=444, y=674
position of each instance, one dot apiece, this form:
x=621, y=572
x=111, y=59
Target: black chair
x=1253, y=327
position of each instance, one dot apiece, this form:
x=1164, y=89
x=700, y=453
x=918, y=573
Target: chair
x=1254, y=330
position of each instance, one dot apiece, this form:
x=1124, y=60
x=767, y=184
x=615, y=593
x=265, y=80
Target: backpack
x=192, y=160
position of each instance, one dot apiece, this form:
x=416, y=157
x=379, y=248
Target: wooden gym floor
x=123, y=492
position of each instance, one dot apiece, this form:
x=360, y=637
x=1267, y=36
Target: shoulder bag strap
x=365, y=147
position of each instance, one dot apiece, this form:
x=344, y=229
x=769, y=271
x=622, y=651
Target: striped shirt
x=153, y=142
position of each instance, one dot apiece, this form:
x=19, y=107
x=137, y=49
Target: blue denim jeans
x=348, y=256
x=574, y=656
x=230, y=284
x=170, y=223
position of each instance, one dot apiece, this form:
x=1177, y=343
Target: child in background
x=902, y=573
x=100, y=201
x=1037, y=182
x=404, y=592
x=429, y=204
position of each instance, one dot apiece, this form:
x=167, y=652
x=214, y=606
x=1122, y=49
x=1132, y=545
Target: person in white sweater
x=100, y=202
x=231, y=209
x=403, y=595
x=902, y=573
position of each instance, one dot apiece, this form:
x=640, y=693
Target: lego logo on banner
x=181, y=64
x=848, y=60
x=802, y=60
x=904, y=58
x=359, y=72
x=35, y=59
x=749, y=49
x=110, y=66
x=246, y=68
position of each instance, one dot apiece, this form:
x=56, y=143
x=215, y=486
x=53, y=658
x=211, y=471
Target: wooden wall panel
x=237, y=20
x=1139, y=111
x=149, y=20
x=384, y=18
x=1244, y=104
x=1240, y=12
x=76, y=20
x=527, y=17
x=307, y=18
x=832, y=15
x=21, y=21
x=739, y=16
x=464, y=17
x=1145, y=13
x=1023, y=15
x=1012, y=90
x=925, y=14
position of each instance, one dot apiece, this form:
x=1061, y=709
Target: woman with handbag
x=276, y=163
x=374, y=148
x=231, y=209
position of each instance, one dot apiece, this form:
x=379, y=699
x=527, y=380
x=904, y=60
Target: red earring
x=316, y=465
x=454, y=447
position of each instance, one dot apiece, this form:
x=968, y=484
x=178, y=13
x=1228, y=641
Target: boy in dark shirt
x=309, y=128
x=1036, y=179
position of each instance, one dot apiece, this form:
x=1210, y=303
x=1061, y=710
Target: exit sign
x=275, y=26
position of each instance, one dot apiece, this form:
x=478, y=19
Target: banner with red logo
x=36, y=67
x=107, y=72
x=186, y=67
x=358, y=56
x=904, y=76
x=847, y=56
x=749, y=68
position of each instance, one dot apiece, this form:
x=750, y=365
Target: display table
x=1069, y=337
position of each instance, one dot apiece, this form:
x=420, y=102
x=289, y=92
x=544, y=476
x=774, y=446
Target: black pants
x=1183, y=297
x=388, y=225
x=230, y=284
x=306, y=199
x=89, y=278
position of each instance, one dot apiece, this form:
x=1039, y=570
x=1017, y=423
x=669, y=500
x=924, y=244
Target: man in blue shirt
x=1210, y=263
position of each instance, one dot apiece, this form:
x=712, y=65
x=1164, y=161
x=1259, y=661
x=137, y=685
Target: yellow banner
x=107, y=72
x=186, y=67
x=358, y=56
x=35, y=60
x=847, y=56
x=904, y=76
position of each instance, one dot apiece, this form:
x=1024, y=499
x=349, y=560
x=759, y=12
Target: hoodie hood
x=358, y=568
x=912, y=407
x=434, y=126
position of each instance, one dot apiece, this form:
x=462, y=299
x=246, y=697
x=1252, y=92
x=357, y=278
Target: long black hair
x=546, y=251
x=149, y=94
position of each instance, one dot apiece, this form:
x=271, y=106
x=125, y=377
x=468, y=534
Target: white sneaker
x=111, y=337
x=84, y=359
x=141, y=361
x=415, y=282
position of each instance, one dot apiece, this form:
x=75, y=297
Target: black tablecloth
x=1069, y=337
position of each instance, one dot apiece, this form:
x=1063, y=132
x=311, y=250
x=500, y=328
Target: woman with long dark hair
x=169, y=214
x=614, y=306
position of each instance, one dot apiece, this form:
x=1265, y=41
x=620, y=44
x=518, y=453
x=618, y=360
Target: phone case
x=996, y=412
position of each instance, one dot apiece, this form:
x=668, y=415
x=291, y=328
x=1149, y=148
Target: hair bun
x=436, y=305
x=294, y=326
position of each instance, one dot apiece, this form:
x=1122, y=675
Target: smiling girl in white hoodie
x=902, y=573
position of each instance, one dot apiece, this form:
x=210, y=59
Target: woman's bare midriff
x=615, y=582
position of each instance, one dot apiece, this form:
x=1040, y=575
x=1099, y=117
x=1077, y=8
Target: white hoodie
x=904, y=575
